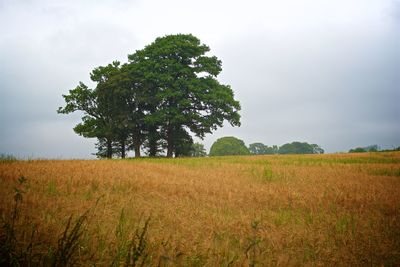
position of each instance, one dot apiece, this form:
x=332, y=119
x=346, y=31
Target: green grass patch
x=386, y=172
x=346, y=224
x=318, y=161
x=264, y=174
x=285, y=217
x=51, y=189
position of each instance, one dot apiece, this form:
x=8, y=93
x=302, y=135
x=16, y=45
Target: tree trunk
x=136, y=137
x=170, y=142
x=109, y=148
x=136, y=145
x=170, y=151
x=123, y=149
x=153, y=149
x=153, y=141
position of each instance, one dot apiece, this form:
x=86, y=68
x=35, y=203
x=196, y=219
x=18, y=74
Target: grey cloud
x=322, y=72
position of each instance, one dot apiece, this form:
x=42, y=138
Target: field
x=306, y=210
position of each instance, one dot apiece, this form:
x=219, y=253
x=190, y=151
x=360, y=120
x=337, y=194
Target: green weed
x=131, y=247
x=253, y=248
x=51, y=189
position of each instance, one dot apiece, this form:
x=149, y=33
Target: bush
x=228, y=146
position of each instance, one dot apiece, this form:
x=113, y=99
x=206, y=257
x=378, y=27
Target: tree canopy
x=300, y=148
x=163, y=95
x=228, y=146
x=185, y=94
x=261, y=149
x=289, y=148
x=371, y=148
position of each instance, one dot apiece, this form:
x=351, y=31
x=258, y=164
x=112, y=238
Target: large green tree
x=183, y=91
x=103, y=109
x=166, y=93
x=228, y=146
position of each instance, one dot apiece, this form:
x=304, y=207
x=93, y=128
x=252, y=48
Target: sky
x=324, y=72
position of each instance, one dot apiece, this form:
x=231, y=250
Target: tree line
x=372, y=148
x=165, y=93
x=233, y=146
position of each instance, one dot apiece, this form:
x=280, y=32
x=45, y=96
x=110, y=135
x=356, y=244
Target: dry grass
x=316, y=210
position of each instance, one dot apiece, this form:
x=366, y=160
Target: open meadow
x=294, y=210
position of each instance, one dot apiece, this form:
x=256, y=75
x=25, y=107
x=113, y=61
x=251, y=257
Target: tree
x=261, y=149
x=104, y=109
x=111, y=98
x=133, y=106
x=371, y=148
x=357, y=150
x=102, y=149
x=317, y=149
x=183, y=143
x=166, y=93
x=183, y=92
x=257, y=148
x=271, y=149
x=300, y=148
x=198, y=150
x=93, y=122
x=228, y=146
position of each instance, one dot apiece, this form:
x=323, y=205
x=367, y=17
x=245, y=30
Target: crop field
x=295, y=210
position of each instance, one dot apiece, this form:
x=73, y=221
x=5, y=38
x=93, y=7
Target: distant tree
x=228, y=146
x=390, y=150
x=257, y=149
x=371, y=148
x=317, y=149
x=261, y=149
x=198, y=150
x=357, y=150
x=7, y=157
x=300, y=148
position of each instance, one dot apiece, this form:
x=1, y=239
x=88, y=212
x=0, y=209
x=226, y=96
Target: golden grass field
x=295, y=210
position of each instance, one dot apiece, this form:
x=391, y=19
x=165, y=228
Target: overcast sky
x=325, y=72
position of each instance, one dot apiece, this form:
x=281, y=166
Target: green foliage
x=166, y=91
x=131, y=248
x=198, y=150
x=68, y=243
x=261, y=149
x=228, y=146
x=300, y=148
x=357, y=150
x=104, y=108
x=7, y=158
x=290, y=148
x=11, y=253
x=372, y=148
x=253, y=248
x=185, y=94
x=268, y=175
